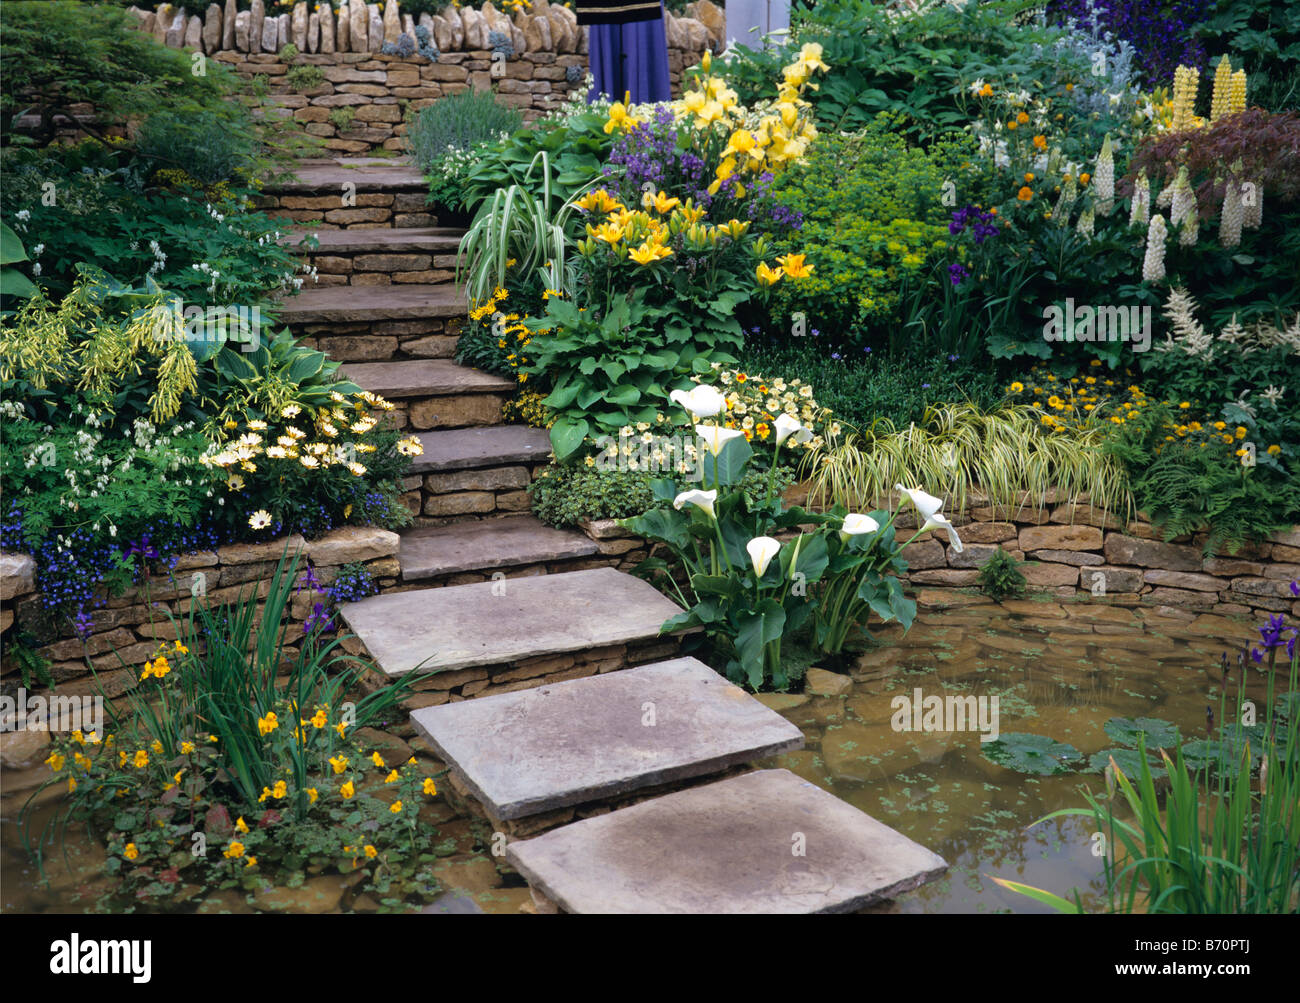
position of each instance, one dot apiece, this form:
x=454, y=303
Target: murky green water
x=1058, y=669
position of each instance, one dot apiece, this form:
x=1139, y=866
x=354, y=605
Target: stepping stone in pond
x=492, y=623
x=584, y=740
x=727, y=847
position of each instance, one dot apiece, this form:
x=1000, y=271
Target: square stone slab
x=726, y=848
x=569, y=743
x=491, y=623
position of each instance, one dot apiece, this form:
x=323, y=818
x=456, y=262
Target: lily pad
x=1127, y=760
x=1223, y=758
x=1159, y=734
x=1036, y=754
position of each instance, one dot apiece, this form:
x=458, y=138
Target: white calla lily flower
x=940, y=521
x=787, y=426
x=856, y=524
x=702, y=401
x=761, y=551
x=928, y=505
x=715, y=438
x=700, y=499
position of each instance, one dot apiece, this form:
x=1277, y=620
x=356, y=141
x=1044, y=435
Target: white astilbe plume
x=1105, y=179
x=1232, y=217
x=1252, y=204
x=1153, y=263
x=1141, y=207
x=1180, y=310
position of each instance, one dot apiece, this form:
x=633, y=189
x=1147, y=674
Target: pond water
x=1060, y=669
x=1057, y=669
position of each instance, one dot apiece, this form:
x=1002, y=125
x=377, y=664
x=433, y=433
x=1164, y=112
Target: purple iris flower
x=957, y=272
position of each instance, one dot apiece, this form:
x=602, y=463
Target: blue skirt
x=630, y=57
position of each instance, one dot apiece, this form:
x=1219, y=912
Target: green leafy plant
x=1035, y=754
x=304, y=78
x=459, y=123
x=1000, y=576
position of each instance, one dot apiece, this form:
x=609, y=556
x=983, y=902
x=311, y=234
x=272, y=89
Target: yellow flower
x=130, y=851
x=268, y=724
x=340, y=763
x=241, y=825
x=1025, y=194
x=141, y=760
x=429, y=787
x=235, y=849
x=56, y=761
x=794, y=266
x=395, y=807
x=1273, y=450
x=377, y=759
x=347, y=790
x=371, y=852
x=1241, y=432
x=312, y=795
x=1017, y=387
x=392, y=778
x=766, y=275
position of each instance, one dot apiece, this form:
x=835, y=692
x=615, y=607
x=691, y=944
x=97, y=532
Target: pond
x=1060, y=669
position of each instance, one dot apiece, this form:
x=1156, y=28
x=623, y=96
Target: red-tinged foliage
x=1266, y=143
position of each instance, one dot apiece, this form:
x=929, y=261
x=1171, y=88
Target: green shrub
x=341, y=117
x=873, y=217
x=1000, y=576
x=199, y=144
x=459, y=122
x=566, y=495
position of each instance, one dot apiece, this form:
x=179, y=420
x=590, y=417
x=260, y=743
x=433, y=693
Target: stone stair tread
x=465, y=626
x=510, y=541
x=349, y=304
x=422, y=378
x=569, y=743
x=472, y=448
x=726, y=848
x=369, y=174
x=386, y=240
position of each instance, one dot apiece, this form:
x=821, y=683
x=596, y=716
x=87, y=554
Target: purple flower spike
x=1295, y=588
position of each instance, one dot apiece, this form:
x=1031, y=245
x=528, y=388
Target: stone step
x=510, y=542
x=496, y=624
x=476, y=448
x=329, y=305
x=575, y=742
x=726, y=847
x=345, y=192
x=381, y=240
x=434, y=393
x=369, y=174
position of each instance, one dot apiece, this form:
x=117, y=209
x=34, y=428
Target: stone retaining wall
x=128, y=628
x=1078, y=551
x=533, y=60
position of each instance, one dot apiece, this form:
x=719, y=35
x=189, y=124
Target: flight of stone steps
x=562, y=711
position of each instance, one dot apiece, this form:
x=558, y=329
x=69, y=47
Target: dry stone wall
x=362, y=102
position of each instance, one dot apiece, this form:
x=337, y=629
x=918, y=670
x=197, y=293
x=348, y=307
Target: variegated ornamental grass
x=1000, y=454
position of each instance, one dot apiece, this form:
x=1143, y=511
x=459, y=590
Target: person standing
x=628, y=49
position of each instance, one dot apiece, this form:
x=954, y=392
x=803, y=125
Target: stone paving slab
x=588, y=739
x=422, y=378
x=472, y=448
x=435, y=240
x=513, y=541
x=492, y=623
x=726, y=848
x=351, y=304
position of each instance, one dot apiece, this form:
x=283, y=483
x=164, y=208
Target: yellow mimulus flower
x=347, y=790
